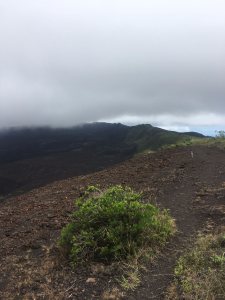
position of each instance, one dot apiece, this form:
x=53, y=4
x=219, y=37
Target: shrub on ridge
x=112, y=225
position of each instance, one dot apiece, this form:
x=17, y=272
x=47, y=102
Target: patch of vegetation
x=217, y=141
x=201, y=272
x=113, y=225
x=147, y=137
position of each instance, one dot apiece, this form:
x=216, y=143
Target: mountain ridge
x=32, y=157
x=26, y=142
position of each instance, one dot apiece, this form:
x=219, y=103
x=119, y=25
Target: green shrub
x=201, y=271
x=112, y=225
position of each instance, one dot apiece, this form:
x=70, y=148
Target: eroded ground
x=31, y=265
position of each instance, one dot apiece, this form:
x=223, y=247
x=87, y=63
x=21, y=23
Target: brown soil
x=31, y=265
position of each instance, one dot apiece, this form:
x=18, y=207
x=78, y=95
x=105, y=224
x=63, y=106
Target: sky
x=66, y=62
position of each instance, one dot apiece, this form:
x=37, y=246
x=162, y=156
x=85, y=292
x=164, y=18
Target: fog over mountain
x=69, y=62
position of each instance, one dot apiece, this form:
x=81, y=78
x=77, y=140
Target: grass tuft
x=201, y=271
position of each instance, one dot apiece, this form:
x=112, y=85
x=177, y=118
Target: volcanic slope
x=34, y=157
x=31, y=267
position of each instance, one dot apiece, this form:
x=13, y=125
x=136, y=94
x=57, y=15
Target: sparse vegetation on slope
x=201, y=271
x=113, y=225
x=147, y=137
x=217, y=141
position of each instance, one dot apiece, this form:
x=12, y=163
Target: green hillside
x=152, y=138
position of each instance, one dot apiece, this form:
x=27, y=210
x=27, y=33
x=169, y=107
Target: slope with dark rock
x=192, y=189
x=32, y=157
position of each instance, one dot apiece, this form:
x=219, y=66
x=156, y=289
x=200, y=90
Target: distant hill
x=17, y=144
x=26, y=143
x=30, y=157
x=194, y=134
x=149, y=137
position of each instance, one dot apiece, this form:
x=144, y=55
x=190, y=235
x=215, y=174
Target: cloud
x=69, y=62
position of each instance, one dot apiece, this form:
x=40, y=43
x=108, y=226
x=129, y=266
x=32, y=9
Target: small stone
x=91, y=280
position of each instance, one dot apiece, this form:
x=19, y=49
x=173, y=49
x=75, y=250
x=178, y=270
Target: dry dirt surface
x=31, y=265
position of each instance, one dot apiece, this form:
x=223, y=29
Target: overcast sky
x=64, y=62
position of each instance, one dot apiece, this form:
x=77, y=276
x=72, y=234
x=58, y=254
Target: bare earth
x=31, y=266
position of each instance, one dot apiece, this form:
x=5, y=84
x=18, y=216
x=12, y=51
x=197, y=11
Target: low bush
x=201, y=272
x=112, y=225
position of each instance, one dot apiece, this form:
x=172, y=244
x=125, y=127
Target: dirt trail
x=192, y=189
x=190, y=177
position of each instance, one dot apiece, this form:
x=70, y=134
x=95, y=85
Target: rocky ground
x=31, y=265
